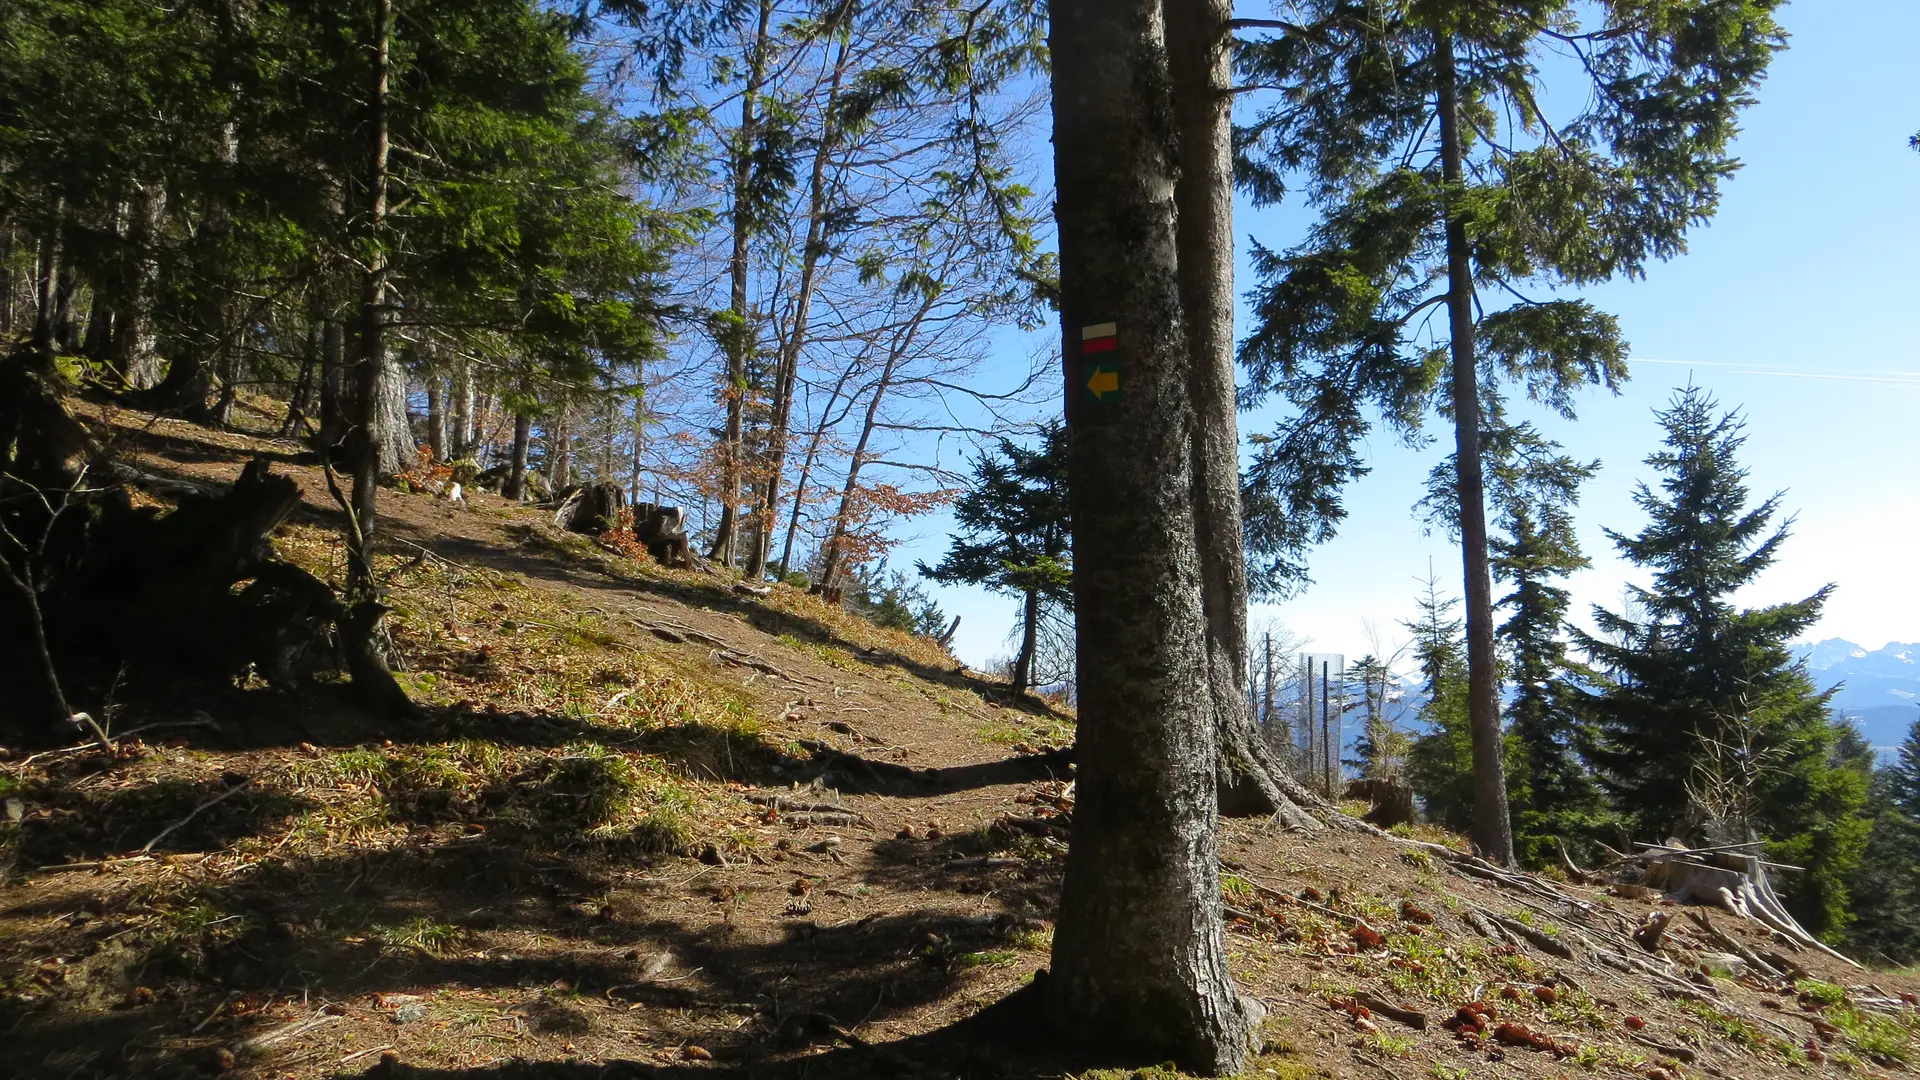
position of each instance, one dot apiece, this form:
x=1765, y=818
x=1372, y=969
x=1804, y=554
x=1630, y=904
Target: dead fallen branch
x=679, y=634
x=1729, y=944
x=1681, y=1054
x=91, y=864
x=1540, y=939
x=196, y=811
x=787, y=804
x=288, y=1031
x=1413, y=1018
x=1035, y=826
x=733, y=656
x=831, y=819
x=1485, y=927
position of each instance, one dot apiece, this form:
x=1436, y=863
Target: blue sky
x=1797, y=304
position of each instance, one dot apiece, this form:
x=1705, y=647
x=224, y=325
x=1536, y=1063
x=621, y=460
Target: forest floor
x=653, y=826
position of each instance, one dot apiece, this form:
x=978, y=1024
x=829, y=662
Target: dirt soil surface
x=655, y=825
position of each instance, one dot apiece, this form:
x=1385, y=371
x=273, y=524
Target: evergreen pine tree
x=1417, y=129
x=1013, y=536
x=1885, y=887
x=1440, y=766
x=1707, y=726
x=1380, y=753
x=1553, y=796
x=1534, y=488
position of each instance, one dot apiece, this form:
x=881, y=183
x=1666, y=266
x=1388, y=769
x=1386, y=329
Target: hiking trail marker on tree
x=1100, y=377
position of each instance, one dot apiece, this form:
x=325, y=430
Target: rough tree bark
x=378, y=388
x=516, y=486
x=1199, y=61
x=461, y=409
x=1029, y=641
x=97, y=344
x=334, y=396
x=1492, y=829
x=392, y=432
x=133, y=341
x=436, y=418
x=1139, y=956
x=45, y=273
x=66, y=322
x=739, y=335
x=363, y=439
x=559, y=451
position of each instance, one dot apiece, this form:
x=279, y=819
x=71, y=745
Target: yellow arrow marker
x=1105, y=381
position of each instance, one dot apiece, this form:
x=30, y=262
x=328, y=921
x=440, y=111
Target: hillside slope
x=654, y=826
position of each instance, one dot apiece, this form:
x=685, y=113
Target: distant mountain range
x=1878, y=692
x=1879, y=688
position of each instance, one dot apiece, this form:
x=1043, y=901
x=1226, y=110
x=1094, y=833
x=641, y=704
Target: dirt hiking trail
x=655, y=825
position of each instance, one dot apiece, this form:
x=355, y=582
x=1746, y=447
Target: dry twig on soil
x=195, y=812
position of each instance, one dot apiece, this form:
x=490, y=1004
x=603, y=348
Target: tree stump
x=1392, y=801
x=591, y=508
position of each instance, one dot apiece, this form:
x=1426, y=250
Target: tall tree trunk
x=98, y=343
x=133, y=340
x=378, y=389
x=559, y=449
x=335, y=394
x=7, y=284
x=461, y=409
x=392, y=431
x=436, y=417
x=1199, y=47
x=740, y=334
x=516, y=486
x=300, y=402
x=1492, y=830
x=189, y=378
x=639, y=446
x=607, y=446
x=788, y=373
x=1029, y=642
x=229, y=384
x=45, y=282
x=66, y=317
x=370, y=358
x=484, y=408
x=1139, y=956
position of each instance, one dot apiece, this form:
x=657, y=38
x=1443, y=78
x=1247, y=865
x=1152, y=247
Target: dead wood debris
x=1651, y=930
x=1412, y=1018
x=195, y=812
x=1034, y=826
x=1540, y=939
x=1728, y=944
x=1682, y=1054
x=788, y=806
